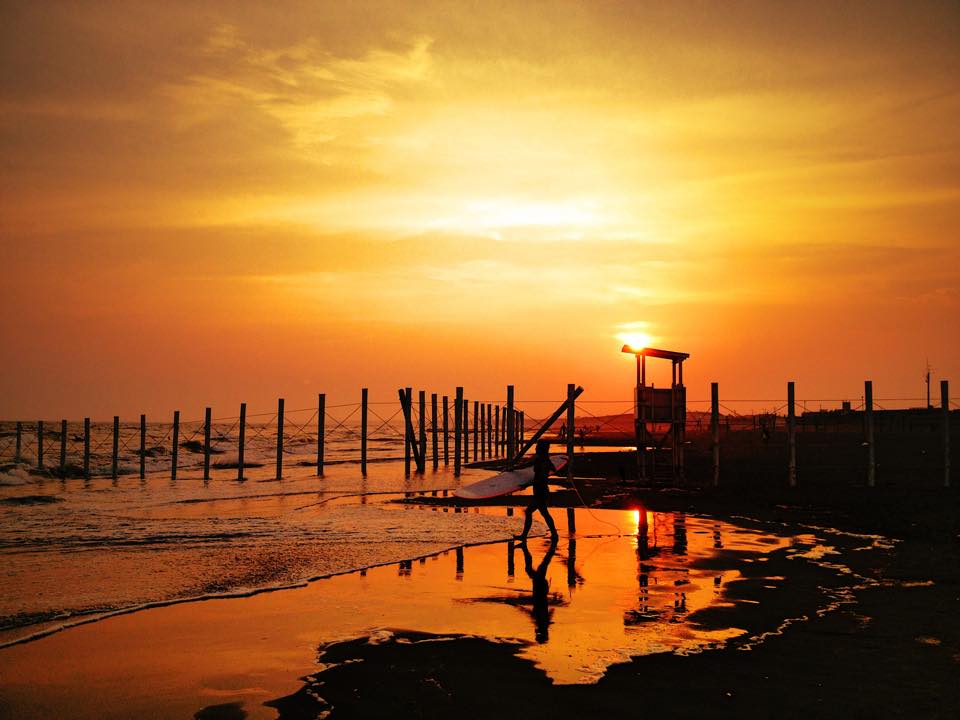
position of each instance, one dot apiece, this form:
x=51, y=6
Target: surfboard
x=506, y=482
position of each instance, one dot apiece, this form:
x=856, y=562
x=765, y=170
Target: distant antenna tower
x=926, y=378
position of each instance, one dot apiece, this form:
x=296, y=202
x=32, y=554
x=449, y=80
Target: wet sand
x=869, y=632
x=890, y=647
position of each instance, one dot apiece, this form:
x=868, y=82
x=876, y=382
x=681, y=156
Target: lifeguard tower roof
x=654, y=352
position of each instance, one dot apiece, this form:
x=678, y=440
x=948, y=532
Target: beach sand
x=773, y=603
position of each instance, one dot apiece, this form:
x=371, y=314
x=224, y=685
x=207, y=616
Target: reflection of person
x=542, y=467
x=541, y=587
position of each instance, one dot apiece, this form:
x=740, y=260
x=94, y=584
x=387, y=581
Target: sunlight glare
x=635, y=339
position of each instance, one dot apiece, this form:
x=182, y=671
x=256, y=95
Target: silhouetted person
x=541, y=590
x=542, y=467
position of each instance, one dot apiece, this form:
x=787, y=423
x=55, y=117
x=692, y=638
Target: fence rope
x=215, y=444
x=386, y=423
x=340, y=424
x=299, y=428
x=261, y=428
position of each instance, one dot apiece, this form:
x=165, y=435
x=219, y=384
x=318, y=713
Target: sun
x=635, y=339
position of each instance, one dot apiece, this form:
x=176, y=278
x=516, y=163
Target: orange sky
x=202, y=203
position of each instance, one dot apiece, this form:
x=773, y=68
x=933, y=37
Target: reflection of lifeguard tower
x=661, y=414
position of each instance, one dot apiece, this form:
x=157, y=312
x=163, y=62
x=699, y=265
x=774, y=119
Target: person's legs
x=528, y=520
x=545, y=512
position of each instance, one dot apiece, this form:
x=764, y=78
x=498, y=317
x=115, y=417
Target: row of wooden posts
x=869, y=439
x=498, y=432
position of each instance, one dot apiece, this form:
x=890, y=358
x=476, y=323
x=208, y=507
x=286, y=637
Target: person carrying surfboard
x=542, y=467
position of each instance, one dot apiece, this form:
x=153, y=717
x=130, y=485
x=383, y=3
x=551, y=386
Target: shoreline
x=905, y=618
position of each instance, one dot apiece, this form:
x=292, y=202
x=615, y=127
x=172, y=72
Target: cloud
x=314, y=95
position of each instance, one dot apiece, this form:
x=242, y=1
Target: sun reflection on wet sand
x=595, y=599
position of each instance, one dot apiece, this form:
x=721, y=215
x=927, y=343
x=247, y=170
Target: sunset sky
x=209, y=202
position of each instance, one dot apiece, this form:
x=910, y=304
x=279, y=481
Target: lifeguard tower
x=660, y=417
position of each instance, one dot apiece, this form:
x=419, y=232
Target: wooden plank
x=406, y=402
x=483, y=431
x=476, y=430
x=407, y=430
x=571, y=420
x=116, y=447
x=279, y=438
x=465, y=419
x=175, y=445
x=241, y=440
x=945, y=406
x=871, y=452
x=446, y=430
x=457, y=429
x=40, y=444
x=715, y=430
x=143, y=446
x=321, y=430
x=791, y=436
x=86, y=448
x=364, y=397
x=63, y=445
x=510, y=420
x=433, y=430
x=422, y=397
x=207, y=420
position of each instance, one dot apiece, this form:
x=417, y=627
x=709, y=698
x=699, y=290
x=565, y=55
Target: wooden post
x=476, y=430
x=116, y=446
x=715, y=430
x=279, y=438
x=572, y=521
x=19, y=444
x=176, y=445
x=510, y=422
x=642, y=415
x=523, y=428
x=871, y=454
x=241, y=439
x=496, y=431
x=86, y=448
x=674, y=445
x=364, y=397
x=465, y=419
x=407, y=429
x=571, y=417
x=206, y=443
x=143, y=446
x=422, y=460
x=489, y=431
x=40, y=444
x=483, y=431
x=446, y=430
x=945, y=404
x=433, y=430
x=457, y=427
x=63, y=445
x=791, y=435
x=321, y=430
